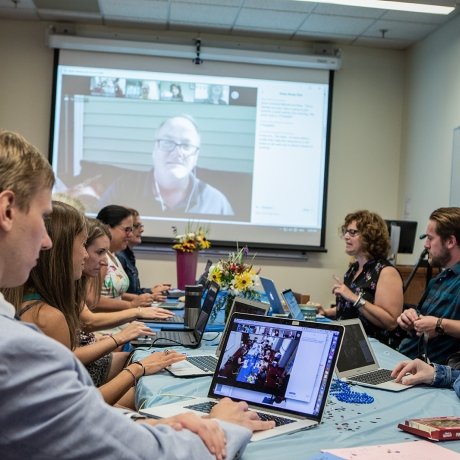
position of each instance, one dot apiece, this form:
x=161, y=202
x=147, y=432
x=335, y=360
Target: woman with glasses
x=372, y=288
x=128, y=261
x=116, y=282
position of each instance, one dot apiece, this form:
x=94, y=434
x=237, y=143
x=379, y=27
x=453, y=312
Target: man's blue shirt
x=443, y=301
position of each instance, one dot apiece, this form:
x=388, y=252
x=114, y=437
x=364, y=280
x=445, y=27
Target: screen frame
x=155, y=243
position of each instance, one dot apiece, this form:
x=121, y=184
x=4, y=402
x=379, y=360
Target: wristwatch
x=360, y=302
x=439, y=329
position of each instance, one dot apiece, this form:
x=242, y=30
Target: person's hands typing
x=161, y=359
x=132, y=331
x=159, y=292
x=239, y=414
x=154, y=313
x=413, y=372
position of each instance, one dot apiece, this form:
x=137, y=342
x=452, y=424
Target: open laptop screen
x=292, y=304
x=272, y=296
x=206, y=308
x=278, y=363
x=241, y=305
x=355, y=353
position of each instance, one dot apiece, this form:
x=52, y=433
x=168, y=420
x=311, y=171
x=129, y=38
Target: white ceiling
x=283, y=19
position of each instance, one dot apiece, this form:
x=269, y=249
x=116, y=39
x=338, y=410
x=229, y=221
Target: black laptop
x=190, y=338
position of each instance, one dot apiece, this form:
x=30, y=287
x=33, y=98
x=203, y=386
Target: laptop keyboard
x=205, y=363
x=374, y=377
x=172, y=336
x=207, y=406
x=173, y=319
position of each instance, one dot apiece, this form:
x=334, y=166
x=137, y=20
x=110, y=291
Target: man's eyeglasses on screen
x=185, y=149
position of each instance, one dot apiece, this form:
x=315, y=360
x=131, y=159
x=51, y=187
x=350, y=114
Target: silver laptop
x=292, y=304
x=205, y=364
x=281, y=367
x=272, y=296
x=190, y=338
x=357, y=362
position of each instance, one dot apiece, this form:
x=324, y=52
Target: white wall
x=433, y=111
x=26, y=73
x=367, y=121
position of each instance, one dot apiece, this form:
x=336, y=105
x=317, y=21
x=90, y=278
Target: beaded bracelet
x=115, y=340
x=140, y=364
x=132, y=373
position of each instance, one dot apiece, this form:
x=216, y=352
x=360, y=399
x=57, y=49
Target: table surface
x=343, y=424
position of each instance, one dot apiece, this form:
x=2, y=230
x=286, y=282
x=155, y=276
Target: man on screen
x=172, y=184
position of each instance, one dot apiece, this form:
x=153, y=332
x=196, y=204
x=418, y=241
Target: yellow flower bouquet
x=236, y=276
x=194, y=238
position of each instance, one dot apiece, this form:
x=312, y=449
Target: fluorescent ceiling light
x=390, y=5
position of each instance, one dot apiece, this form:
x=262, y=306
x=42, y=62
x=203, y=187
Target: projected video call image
x=260, y=360
x=179, y=146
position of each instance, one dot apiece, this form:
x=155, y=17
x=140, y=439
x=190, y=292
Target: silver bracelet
x=360, y=295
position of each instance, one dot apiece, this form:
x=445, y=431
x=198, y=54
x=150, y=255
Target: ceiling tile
x=145, y=10
x=235, y=3
x=335, y=24
x=203, y=14
x=280, y=5
x=267, y=19
x=398, y=30
x=89, y=6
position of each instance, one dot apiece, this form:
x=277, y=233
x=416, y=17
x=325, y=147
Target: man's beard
x=441, y=260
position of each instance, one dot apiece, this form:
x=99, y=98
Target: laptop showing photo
x=205, y=364
x=273, y=297
x=357, y=362
x=241, y=305
x=281, y=367
x=184, y=337
x=291, y=303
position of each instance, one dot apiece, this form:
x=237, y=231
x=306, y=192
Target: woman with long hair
x=54, y=296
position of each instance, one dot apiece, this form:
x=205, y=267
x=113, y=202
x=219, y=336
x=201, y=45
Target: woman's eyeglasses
x=138, y=226
x=126, y=229
x=351, y=231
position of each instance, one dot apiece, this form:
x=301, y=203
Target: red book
x=434, y=428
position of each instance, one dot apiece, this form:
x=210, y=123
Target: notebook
x=273, y=297
x=292, y=304
x=184, y=337
x=281, y=367
x=357, y=362
x=205, y=364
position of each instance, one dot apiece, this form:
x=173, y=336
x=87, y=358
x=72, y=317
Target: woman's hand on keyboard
x=161, y=359
x=132, y=331
x=154, y=313
x=238, y=413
